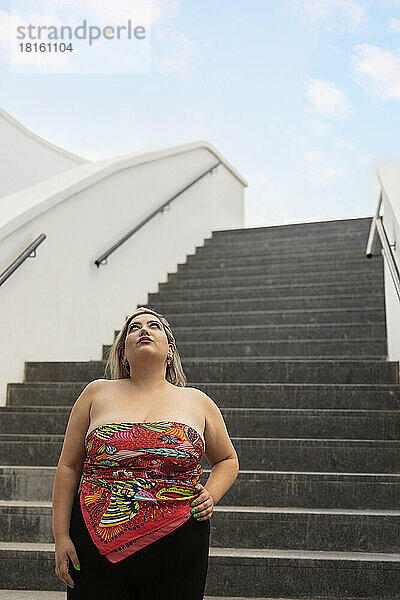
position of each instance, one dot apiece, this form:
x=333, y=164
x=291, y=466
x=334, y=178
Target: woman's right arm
x=67, y=478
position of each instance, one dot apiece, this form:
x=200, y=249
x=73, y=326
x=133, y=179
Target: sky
x=302, y=97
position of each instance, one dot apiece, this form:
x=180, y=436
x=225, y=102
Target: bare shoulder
x=73, y=450
x=91, y=391
x=207, y=403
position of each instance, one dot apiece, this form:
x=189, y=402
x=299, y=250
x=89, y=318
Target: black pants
x=174, y=567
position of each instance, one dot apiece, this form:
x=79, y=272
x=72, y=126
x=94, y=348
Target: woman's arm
x=70, y=463
x=220, y=451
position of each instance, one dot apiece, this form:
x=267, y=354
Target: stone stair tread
x=49, y=547
x=49, y=595
x=221, y=384
x=32, y=595
x=304, y=554
x=263, y=553
x=298, y=358
x=26, y=409
x=293, y=339
x=242, y=509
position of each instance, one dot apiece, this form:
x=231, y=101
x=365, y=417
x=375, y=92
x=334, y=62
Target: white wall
x=59, y=306
x=389, y=178
x=26, y=158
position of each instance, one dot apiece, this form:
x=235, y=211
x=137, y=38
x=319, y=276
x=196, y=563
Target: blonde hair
x=115, y=366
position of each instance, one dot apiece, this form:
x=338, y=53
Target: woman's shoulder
x=200, y=396
x=197, y=392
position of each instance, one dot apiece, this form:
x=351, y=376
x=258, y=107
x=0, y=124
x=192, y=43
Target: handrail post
x=372, y=230
x=386, y=250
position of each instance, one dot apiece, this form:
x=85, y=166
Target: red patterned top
x=137, y=483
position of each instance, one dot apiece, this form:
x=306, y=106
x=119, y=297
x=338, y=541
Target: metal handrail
x=377, y=226
x=103, y=258
x=29, y=252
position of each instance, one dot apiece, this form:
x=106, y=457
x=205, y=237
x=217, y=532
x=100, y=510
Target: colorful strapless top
x=138, y=482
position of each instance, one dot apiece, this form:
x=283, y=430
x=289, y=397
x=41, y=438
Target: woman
x=127, y=480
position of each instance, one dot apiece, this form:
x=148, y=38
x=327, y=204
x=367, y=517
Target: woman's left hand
x=203, y=505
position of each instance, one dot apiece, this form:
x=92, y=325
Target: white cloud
x=323, y=174
x=318, y=127
x=327, y=99
x=320, y=168
x=177, y=53
x=324, y=160
x=353, y=12
x=394, y=25
x=377, y=71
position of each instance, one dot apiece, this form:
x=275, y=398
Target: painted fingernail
x=78, y=567
x=192, y=504
x=195, y=516
x=193, y=510
x=71, y=585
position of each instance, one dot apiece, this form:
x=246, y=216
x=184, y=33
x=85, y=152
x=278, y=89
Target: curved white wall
x=60, y=306
x=26, y=158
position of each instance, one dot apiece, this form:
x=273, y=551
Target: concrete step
x=284, y=251
x=230, y=395
x=338, y=530
x=238, y=526
x=287, y=249
x=284, y=290
x=250, y=422
x=323, y=308
x=48, y=595
x=255, y=252
x=300, y=237
x=280, y=315
x=337, y=272
x=280, y=331
x=265, y=264
x=251, y=488
x=356, y=225
x=307, y=573
x=262, y=453
x=280, y=246
x=31, y=566
x=368, y=347
x=257, y=274
x=293, y=528
x=31, y=595
x=241, y=370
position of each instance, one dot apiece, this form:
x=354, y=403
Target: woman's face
x=145, y=326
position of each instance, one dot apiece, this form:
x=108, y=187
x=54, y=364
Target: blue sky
x=301, y=96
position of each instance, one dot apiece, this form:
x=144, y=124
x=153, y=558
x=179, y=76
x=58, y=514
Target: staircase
x=284, y=327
